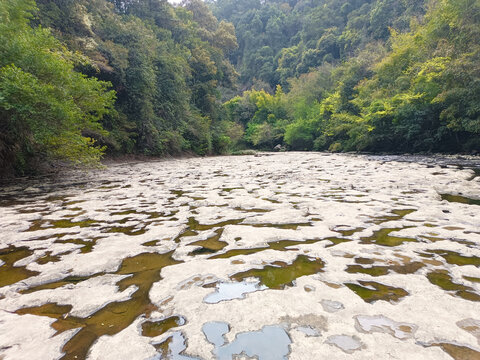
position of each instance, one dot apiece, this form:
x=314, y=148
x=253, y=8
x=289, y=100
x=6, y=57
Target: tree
x=45, y=105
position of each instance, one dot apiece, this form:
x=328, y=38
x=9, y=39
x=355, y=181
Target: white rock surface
x=326, y=206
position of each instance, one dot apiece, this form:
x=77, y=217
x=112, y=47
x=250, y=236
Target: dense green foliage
x=44, y=104
x=394, y=79
x=165, y=66
x=280, y=39
x=81, y=77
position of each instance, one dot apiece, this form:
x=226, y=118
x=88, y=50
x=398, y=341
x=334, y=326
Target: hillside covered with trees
x=79, y=79
x=385, y=75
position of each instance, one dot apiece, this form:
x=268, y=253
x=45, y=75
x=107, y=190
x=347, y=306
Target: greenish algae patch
x=280, y=274
x=382, y=237
x=280, y=245
x=60, y=224
x=443, y=280
x=87, y=245
x=151, y=243
x=371, y=291
x=150, y=214
x=364, y=261
x=238, y=252
x=132, y=230
x=348, y=232
x=408, y=268
x=336, y=240
x=472, y=279
x=460, y=199
x=251, y=210
x=156, y=328
x=10, y=274
x=116, y=316
x=48, y=257
x=291, y=226
x=372, y=271
x=398, y=215
x=455, y=258
x=193, y=227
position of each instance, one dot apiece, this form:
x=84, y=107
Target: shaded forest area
x=79, y=79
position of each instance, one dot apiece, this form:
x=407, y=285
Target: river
x=276, y=256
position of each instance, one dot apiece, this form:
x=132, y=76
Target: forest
x=81, y=79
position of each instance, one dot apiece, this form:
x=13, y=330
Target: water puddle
x=371, y=291
x=10, y=274
x=443, y=280
x=57, y=284
x=61, y=224
x=308, y=331
x=346, y=230
x=48, y=257
x=460, y=199
x=133, y=230
x=173, y=347
x=210, y=245
x=234, y=290
x=454, y=258
x=382, y=237
x=281, y=245
x=291, y=226
x=346, y=343
x=87, y=244
x=253, y=210
x=193, y=227
x=215, y=332
x=116, y=316
x=54, y=311
x=398, y=215
x=280, y=274
x=159, y=327
x=270, y=343
x=409, y=268
x=331, y=306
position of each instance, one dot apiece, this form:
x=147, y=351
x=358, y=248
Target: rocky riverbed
x=279, y=256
